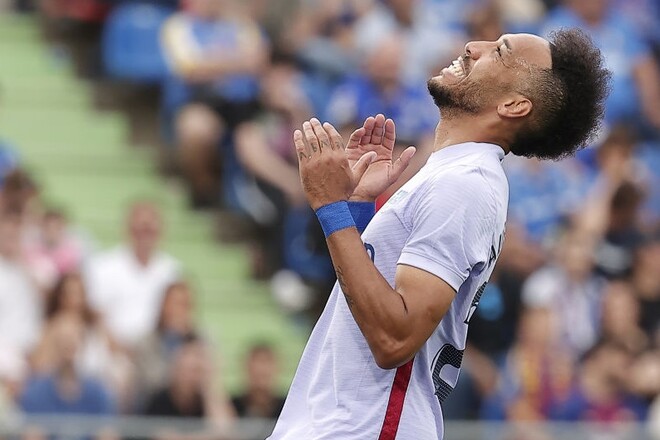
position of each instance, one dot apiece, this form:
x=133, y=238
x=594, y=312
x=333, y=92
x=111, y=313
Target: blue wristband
x=362, y=213
x=334, y=217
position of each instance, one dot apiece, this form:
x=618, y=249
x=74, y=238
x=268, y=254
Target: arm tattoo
x=344, y=287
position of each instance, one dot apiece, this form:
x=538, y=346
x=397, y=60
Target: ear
x=515, y=107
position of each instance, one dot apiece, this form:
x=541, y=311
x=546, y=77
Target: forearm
x=378, y=309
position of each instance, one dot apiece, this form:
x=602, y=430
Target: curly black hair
x=568, y=99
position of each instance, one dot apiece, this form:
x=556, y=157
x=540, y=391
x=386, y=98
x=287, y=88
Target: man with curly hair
x=388, y=348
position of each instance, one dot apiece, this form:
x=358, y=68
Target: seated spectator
x=20, y=301
x=64, y=389
x=620, y=318
x=175, y=327
x=537, y=371
x=55, y=243
x=126, y=284
x=378, y=88
x=635, y=77
x=260, y=398
x=214, y=58
x=98, y=355
x=413, y=22
x=191, y=391
x=568, y=287
x=264, y=147
x=544, y=195
x=600, y=394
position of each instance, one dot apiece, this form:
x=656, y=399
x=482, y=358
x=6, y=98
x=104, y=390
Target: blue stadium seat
x=131, y=42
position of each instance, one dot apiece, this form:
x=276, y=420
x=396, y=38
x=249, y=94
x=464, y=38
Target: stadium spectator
x=546, y=194
x=20, y=301
x=621, y=316
x=635, y=75
x=260, y=398
x=599, y=394
x=55, y=242
x=174, y=328
x=215, y=58
x=415, y=24
x=126, y=284
x=379, y=89
x=568, y=287
x=98, y=355
x=536, y=372
x=264, y=148
x=192, y=390
x=64, y=389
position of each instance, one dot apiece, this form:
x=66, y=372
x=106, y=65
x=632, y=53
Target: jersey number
x=447, y=355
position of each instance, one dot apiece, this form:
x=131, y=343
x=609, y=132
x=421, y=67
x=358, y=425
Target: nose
x=475, y=49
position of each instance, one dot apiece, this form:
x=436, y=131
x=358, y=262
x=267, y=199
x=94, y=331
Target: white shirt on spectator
x=127, y=294
x=575, y=304
x=20, y=307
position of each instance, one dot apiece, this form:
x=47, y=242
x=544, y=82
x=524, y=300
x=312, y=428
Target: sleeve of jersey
x=452, y=227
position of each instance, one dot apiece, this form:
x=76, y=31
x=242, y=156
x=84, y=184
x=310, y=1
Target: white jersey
x=447, y=220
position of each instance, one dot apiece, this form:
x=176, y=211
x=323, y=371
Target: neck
x=454, y=130
x=142, y=255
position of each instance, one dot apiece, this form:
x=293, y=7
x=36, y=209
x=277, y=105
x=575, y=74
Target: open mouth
x=458, y=68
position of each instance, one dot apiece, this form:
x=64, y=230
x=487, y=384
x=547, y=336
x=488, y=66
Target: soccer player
x=388, y=347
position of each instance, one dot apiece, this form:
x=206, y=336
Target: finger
x=379, y=130
x=336, y=141
x=368, y=129
x=301, y=148
x=400, y=165
x=361, y=166
x=355, y=138
x=311, y=138
x=321, y=135
x=389, y=138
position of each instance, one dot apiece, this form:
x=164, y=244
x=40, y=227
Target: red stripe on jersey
x=395, y=404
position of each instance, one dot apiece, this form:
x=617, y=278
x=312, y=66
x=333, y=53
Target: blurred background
x=158, y=259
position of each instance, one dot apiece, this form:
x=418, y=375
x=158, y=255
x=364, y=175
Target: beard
x=466, y=97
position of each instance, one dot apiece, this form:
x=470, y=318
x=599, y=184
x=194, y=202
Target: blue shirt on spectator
x=622, y=48
x=41, y=396
x=212, y=36
x=411, y=108
x=541, y=194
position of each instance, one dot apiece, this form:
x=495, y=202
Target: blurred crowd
x=107, y=332
x=569, y=327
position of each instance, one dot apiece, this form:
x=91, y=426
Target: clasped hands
x=360, y=171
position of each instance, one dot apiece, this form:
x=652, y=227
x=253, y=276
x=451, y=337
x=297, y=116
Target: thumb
x=361, y=166
x=402, y=163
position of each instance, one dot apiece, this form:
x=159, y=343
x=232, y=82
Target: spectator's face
x=489, y=75
x=177, y=310
x=383, y=65
x=538, y=328
x=73, y=295
x=10, y=236
x=620, y=308
x=192, y=367
x=575, y=254
x=68, y=332
x=262, y=370
x=53, y=229
x=403, y=9
x=144, y=227
x=207, y=8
